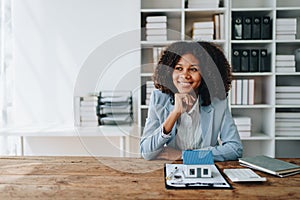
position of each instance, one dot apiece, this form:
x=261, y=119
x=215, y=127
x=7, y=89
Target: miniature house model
x=197, y=171
x=197, y=163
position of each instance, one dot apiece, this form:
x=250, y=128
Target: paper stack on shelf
x=149, y=88
x=288, y=95
x=156, y=54
x=114, y=107
x=203, y=30
x=203, y=3
x=219, y=27
x=156, y=28
x=86, y=111
x=243, y=125
x=286, y=28
x=287, y=124
x=242, y=92
x=285, y=63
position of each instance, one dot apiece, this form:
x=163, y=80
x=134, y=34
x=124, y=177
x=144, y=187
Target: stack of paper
x=288, y=95
x=243, y=125
x=285, y=63
x=203, y=3
x=115, y=108
x=149, y=88
x=156, y=28
x=157, y=53
x=242, y=92
x=86, y=111
x=203, y=30
x=286, y=28
x=287, y=124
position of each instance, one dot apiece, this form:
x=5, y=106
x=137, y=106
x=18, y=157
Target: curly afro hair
x=214, y=69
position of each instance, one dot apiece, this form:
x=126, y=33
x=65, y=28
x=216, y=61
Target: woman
x=190, y=108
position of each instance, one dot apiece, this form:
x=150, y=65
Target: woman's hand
x=183, y=102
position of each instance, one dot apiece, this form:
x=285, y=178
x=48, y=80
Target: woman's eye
x=178, y=68
x=194, y=69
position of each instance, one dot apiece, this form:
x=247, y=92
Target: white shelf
x=156, y=43
x=157, y=10
x=288, y=41
x=204, y=11
x=252, y=74
x=251, y=106
x=287, y=106
x=287, y=138
x=250, y=9
x=264, y=110
x=288, y=74
x=251, y=41
x=287, y=8
x=257, y=136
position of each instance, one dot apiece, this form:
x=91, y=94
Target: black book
x=236, y=60
x=143, y=94
x=245, y=55
x=246, y=28
x=237, y=28
x=254, y=61
x=266, y=28
x=256, y=24
x=264, y=61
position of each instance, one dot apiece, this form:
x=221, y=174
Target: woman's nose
x=186, y=74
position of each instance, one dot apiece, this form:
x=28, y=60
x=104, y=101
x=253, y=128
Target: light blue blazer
x=216, y=121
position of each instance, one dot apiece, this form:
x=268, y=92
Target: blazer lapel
x=206, y=122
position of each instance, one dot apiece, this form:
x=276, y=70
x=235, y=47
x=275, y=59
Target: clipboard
x=175, y=179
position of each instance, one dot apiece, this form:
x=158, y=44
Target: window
x=6, y=71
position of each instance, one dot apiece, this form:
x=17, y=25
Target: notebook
x=270, y=165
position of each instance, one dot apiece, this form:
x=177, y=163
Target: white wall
x=63, y=48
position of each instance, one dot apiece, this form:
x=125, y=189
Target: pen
x=169, y=177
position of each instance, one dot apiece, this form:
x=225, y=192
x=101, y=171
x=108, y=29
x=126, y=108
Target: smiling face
x=186, y=75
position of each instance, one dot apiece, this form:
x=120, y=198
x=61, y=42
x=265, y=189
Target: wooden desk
x=91, y=178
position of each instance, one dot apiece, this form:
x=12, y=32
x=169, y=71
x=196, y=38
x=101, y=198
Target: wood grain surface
x=121, y=178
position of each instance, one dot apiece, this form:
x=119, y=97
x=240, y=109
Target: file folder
x=236, y=60
x=264, y=64
x=237, y=28
x=256, y=24
x=245, y=55
x=246, y=28
x=254, y=55
x=266, y=28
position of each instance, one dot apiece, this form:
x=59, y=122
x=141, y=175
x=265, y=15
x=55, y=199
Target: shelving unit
x=263, y=138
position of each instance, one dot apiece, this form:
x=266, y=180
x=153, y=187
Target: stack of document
x=203, y=4
x=286, y=28
x=85, y=110
x=115, y=108
x=287, y=124
x=243, y=125
x=288, y=95
x=156, y=28
x=285, y=63
x=203, y=30
x=270, y=165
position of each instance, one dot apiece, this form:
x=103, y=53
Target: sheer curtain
x=8, y=144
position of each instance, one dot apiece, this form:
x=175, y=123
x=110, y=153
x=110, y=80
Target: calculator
x=243, y=175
